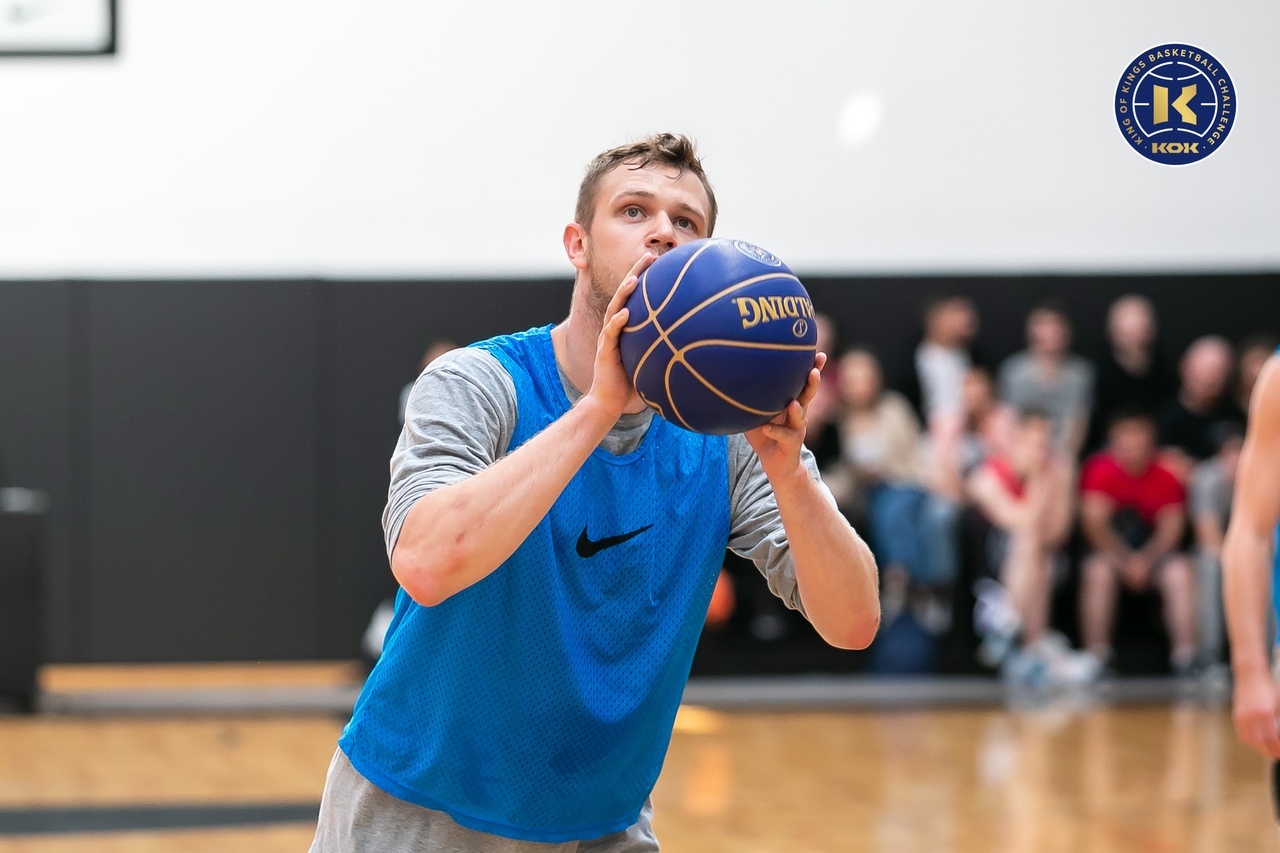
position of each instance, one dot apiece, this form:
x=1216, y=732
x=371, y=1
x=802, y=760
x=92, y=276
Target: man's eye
x=633, y=212
x=684, y=222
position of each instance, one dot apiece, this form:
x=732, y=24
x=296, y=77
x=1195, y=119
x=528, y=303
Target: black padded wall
x=217, y=451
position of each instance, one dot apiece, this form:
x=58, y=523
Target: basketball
x=720, y=336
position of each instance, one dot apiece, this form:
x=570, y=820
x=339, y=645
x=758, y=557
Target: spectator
x=1133, y=372
x=1209, y=499
x=911, y=530
x=823, y=434
x=1186, y=420
x=1049, y=377
x=1254, y=352
x=1133, y=517
x=950, y=325
x=1024, y=493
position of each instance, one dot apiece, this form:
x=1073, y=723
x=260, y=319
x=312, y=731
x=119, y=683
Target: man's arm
x=1169, y=527
x=835, y=571
x=457, y=535
x=1095, y=520
x=1247, y=566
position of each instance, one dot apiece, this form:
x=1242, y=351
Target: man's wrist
x=789, y=483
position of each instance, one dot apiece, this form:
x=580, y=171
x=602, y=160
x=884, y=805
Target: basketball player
x=1250, y=569
x=557, y=546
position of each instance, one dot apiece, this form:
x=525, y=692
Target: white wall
x=405, y=137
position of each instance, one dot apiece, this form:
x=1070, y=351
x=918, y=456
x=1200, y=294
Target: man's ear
x=575, y=245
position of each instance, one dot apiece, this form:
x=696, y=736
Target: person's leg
x=891, y=513
x=1176, y=580
x=1098, y=588
x=939, y=518
x=1209, y=603
x=1023, y=575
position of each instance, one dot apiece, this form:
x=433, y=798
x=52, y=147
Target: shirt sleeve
x=1093, y=477
x=755, y=526
x=460, y=418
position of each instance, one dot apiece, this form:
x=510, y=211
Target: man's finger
x=810, y=389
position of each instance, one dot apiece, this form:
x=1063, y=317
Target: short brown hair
x=666, y=149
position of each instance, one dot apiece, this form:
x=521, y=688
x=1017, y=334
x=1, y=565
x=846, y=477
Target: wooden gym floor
x=1055, y=778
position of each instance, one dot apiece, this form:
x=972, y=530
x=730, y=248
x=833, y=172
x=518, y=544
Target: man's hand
x=1256, y=708
x=610, y=386
x=1135, y=571
x=778, y=442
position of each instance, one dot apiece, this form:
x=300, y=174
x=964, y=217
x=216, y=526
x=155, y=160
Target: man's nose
x=663, y=236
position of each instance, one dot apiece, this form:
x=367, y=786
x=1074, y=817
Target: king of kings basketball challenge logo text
x=1175, y=104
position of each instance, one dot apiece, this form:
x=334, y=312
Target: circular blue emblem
x=756, y=253
x=1175, y=104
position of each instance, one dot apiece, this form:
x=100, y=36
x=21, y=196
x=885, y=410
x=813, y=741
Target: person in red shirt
x=1024, y=491
x=1133, y=516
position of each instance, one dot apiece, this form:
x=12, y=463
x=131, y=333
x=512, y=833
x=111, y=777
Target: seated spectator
x=1133, y=372
x=911, y=531
x=1025, y=494
x=1047, y=376
x=1209, y=498
x=1133, y=517
x=1186, y=420
x=1254, y=352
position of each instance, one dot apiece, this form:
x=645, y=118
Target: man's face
x=1048, y=333
x=1032, y=442
x=652, y=209
x=1133, y=443
x=1205, y=371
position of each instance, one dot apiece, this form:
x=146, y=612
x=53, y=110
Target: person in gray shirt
x=1048, y=377
x=465, y=499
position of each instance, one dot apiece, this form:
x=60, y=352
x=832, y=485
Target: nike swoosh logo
x=588, y=547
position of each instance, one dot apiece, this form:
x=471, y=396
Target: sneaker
x=1063, y=665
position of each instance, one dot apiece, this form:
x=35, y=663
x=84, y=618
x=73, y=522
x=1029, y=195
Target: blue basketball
x=720, y=336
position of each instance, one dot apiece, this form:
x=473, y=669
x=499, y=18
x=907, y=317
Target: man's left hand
x=778, y=442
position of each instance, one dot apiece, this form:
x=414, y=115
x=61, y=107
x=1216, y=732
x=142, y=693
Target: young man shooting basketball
x=557, y=546
x=1250, y=569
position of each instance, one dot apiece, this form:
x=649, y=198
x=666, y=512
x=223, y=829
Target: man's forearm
x=1167, y=535
x=1246, y=558
x=835, y=571
x=456, y=535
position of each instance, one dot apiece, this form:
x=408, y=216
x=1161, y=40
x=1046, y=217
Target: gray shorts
x=357, y=816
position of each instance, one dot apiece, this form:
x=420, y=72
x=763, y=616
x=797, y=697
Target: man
x=1133, y=517
x=1250, y=566
x=1132, y=371
x=1186, y=421
x=557, y=546
x=1048, y=376
x=1209, y=492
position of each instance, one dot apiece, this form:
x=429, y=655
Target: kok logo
x=1175, y=104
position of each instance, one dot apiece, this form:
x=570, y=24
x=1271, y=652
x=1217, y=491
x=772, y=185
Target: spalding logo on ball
x=720, y=336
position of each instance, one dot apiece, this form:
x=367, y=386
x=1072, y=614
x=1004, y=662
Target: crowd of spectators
x=1111, y=480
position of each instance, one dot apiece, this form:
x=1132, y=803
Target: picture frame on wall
x=30, y=28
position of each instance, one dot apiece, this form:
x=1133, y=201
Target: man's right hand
x=610, y=386
x=1256, y=708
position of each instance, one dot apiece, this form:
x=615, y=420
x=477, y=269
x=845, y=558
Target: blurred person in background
x=1185, y=421
x=1133, y=516
x=912, y=531
x=1209, y=494
x=1047, y=376
x=1024, y=493
x=941, y=360
x=1252, y=356
x=1133, y=371
x=1250, y=569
